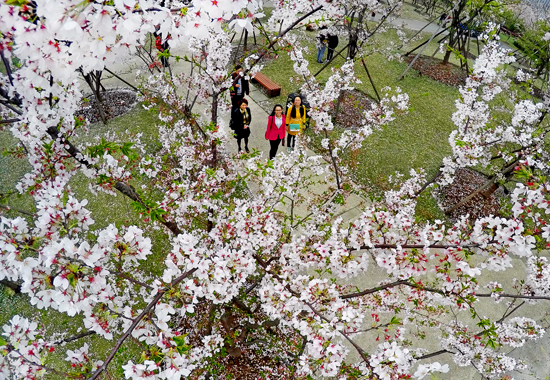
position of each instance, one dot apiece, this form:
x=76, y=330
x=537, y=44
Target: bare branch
x=137, y=320
x=374, y=290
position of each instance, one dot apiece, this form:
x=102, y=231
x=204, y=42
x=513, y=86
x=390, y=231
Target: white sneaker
x=288, y=149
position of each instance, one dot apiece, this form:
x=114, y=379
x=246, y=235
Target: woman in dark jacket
x=241, y=124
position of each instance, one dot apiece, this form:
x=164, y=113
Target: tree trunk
x=371, y=81
x=94, y=84
x=352, y=45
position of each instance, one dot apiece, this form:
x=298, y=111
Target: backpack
x=290, y=100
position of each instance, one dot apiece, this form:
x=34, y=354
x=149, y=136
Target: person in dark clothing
x=162, y=46
x=241, y=124
x=332, y=43
x=239, y=89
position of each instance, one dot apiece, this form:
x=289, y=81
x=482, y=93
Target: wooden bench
x=509, y=32
x=273, y=89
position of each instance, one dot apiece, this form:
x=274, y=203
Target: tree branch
x=12, y=285
x=123, y=188
x=374, y=290
x=9, y=208
x=76, y=337
x=427, y=356
x=138, y=319
x=414, y=246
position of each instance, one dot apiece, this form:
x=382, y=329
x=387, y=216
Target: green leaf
x=156, y=214
x=181, y=347
x=72, y=279
x=17, y=3
x=65, y=199
x=395, y=321
x=491, y=343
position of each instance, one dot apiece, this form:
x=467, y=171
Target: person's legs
x=239, y=144
x=274, y=147
x=330, y=53
x=290, y=142
x=246, y=144
x=320, y=54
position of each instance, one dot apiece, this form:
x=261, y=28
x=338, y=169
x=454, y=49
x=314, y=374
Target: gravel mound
x=116, y=102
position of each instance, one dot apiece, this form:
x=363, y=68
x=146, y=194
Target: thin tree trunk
x=91, y=84
x=337, y=109
x=238, y=46
x=467, y=51
x=371, y=81
x=123, y=81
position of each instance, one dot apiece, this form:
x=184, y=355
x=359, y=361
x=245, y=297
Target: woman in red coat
x=275, y=130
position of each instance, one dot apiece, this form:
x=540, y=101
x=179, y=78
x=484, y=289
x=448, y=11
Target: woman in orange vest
x=295, y=121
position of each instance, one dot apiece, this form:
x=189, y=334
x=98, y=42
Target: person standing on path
x=321, y=46
x=162, y=46
x=332, y=43
x=241, y=124
x=295, y=121
x=275, y=130
x=239, y=89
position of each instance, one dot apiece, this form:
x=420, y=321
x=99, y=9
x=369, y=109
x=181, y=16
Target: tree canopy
x=234, y=266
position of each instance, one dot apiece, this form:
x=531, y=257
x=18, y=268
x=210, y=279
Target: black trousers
x=274, y=147
x=291, y=139
x=245, y=142
x=330, y=53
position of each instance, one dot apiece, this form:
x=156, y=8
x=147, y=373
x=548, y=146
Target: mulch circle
x=116, y=102
x=433, y=68
x=466, y=182
x=352, y=106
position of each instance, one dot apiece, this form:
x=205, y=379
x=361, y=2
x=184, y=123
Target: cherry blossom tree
x=259, y=277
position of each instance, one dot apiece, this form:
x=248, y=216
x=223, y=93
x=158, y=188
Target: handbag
x=294, y=127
